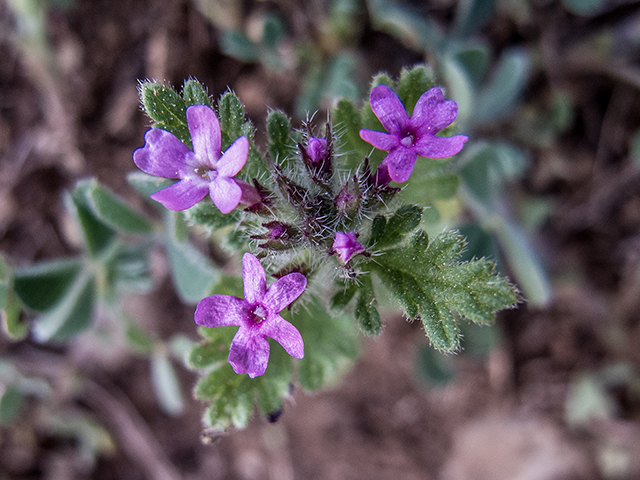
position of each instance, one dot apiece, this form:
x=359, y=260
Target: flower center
x=407, y=140
x=259, y=314
x=205, y=172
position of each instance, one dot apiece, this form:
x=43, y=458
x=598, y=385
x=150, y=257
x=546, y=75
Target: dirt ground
x=502, y=416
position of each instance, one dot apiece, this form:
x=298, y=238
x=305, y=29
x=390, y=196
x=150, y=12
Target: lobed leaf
x=367, y=308
x=429, y=283
x=386, y=232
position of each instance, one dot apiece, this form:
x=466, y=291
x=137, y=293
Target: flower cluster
x=327, y=208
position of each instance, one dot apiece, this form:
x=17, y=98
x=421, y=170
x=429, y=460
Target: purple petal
x=234, y=158
x=183, y=194
x=205, y=133
x=286, y=335
x=221, y=311
x=432, y=112
x=249, y=353
x=284, y=291
x=225, y=193
x=389, y=109
x=255, y=281
x=400, y=162
x=380, y=140
x=440, y=147
x=163, y=155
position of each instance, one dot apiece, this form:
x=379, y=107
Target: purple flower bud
x=317, y=159
x=348, y=200
x=346, y=246
x=279, y=236
x=317, y=149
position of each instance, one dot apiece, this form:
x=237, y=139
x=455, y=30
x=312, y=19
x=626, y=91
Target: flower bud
x=347, y=201
x=346, y=246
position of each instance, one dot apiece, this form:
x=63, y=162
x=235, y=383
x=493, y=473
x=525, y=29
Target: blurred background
x=548, y=92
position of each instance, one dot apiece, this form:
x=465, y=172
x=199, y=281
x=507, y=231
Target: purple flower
x=201, y=170
x=410, y=137
x=346, y=246
x=257, y=316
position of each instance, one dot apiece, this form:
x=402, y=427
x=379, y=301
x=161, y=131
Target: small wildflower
x=257, y=316
x=346, y=246
x=200, y=171
x=410, y=137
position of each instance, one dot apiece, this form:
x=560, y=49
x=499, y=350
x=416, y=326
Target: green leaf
x=11, y=401
x=166, y=108
x=386, y=232
x=215, y=348
x=194, y=93
x=272, y=31
x=342, y=298
x=237, y=45
x=12, y=321
x=231, y=113
x=147, y=184
x=498, y=97
x=405, y=24
x=413, y=83
x=112, y=210
x=208, y=216
x=427, y=186
x=461, y=85
x=137, y=338
x=347, y=123
x=473, y=58
x=97, y=236
x=340, y=79
x=165, y=385
x=584, y=7
x=71, y=315
x=193, y=274
x=5, y=282
x=230, y=396
x=279, y=131
x=428, y=282
x=330, y=344
x=42, y=285
x=129, y=270
x=367, y=308
x=471, y=15
x=434, y=368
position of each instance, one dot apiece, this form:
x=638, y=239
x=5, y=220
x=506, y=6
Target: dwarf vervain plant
x=312, y=230
x=321, y=213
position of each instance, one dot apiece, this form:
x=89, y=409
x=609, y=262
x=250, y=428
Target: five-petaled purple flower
x=410, y=137
x=346, y=246
x=257, y=316
x=201, y=170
